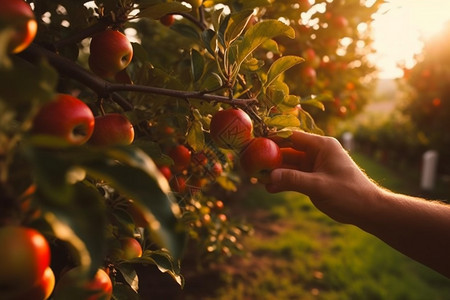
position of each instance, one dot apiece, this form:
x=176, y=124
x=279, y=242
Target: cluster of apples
x=232, y=128
x=25, y=271
x=71, y=120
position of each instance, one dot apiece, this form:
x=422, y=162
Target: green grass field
x=299, y=253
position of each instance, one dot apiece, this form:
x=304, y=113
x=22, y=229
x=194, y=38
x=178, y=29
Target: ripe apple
x=181, y=157
x=41, y=290
x=78, y=285
x=340, y=22
x=167, y=20
x=165, y=170
x=131, y=248
x=304, y=5
x=309, y=75
x=110, y=53
x=178, y=184
x=18, y=14
x=112, y=129
x=217, y=169
x=260, y=157
x=231, y=128
x=66, y=117
x=24, y=256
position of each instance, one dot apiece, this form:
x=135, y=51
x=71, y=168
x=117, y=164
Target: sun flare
x=399, y=29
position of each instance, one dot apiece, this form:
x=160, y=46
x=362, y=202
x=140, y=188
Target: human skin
x=416, y=227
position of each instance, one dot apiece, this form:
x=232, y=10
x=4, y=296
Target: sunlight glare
x=399, y=29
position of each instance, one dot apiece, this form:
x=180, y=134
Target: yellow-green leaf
x=280, y=65
x=259, y=33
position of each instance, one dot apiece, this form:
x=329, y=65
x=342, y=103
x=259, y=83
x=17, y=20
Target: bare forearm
x=416, y=227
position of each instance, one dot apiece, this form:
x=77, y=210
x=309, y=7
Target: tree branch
x=106, y=89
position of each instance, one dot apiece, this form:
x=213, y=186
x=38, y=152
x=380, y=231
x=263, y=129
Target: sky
x=398, y=27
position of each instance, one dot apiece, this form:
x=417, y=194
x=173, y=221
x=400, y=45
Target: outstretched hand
x=319, y=167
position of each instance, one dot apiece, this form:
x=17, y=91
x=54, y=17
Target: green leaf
x=226, y=183
x=138, y=177
x=236, y=25
x=307, y=123
x=196, y=137
x=209, y=40
x=259, y=33
x=281, y=121
x=277, y=92
x=159, y=10
x=291, y=101
x=185, y=30
x=123, y=291
x=129, y=274
x=222, y=27
x=64, y=206
x=281, y=65
x=314, y=102
x=197, y=65
x=161, y=259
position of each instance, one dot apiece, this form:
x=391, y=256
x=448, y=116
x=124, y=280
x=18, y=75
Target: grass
x=299, y=253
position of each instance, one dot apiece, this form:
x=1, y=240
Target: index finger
x=302, y=141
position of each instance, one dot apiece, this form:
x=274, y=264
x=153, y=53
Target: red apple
x=181, y=157
x=340, y=22
x=304, y=5
x=309, y=54
x=165, y=170
x=77, y=283
x=41, y=290
x=231, y=128
x=309, y=75
x=18, y=15
x=260, y=157
x=131, y=248
x=24, y=256
x=66, y=117
x=110, y=53
x=178, y=184
x=200, y=159
x=112, y=129
x=167, y=20
x=217, y=169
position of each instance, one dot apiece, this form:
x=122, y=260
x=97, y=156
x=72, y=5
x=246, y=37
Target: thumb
x=291, y=180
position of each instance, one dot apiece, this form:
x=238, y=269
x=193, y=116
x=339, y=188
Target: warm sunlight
x=399, y=27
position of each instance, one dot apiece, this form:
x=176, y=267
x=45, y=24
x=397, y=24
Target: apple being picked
x=111, y=130
x=66, y=117
x=231, y=128
x=18, y=15
x=260, y=157
x=110, y=53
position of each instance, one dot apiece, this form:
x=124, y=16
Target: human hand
x=322, y=169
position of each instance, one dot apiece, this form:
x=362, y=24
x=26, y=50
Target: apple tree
x=113, y=139
x=427, y=96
